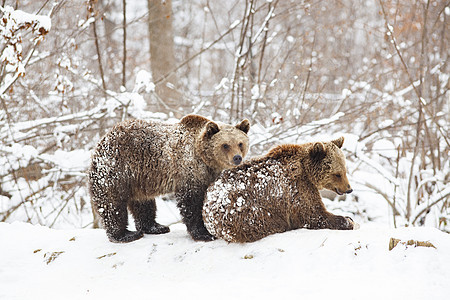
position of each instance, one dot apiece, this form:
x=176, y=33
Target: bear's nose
x=349, y=191
x=237, y=159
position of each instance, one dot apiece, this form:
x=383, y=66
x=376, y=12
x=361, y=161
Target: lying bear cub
x=278, y=192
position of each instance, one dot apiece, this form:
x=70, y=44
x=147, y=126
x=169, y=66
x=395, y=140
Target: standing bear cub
x=278, y=192
x=139, y=160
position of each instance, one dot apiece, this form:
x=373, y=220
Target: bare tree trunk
x=162, y=57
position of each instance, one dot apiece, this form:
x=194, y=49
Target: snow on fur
x=218, y=198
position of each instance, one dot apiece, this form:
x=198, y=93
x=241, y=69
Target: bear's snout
x=349, y=189
x=237, y=159
x=342, y=191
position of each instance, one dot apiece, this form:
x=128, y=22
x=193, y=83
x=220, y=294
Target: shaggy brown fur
x=277, y=192
x=139, y=160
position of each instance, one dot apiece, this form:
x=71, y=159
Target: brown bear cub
x=139, y=160
x=277, y=192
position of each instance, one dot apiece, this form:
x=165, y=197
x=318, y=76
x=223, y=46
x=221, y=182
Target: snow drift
x=41, y=263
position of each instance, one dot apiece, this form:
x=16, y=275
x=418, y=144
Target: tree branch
x=429, y=206
x=93, y=12
x=124, y=58
x=422, y=101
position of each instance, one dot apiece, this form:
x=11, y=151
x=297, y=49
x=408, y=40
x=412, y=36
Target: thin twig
x=309, y=73
x=429, y=206
x=394, y=198
x=261, y=56
x=97, y=46
x=124, y=58
x=239, y=55
x=385, y=196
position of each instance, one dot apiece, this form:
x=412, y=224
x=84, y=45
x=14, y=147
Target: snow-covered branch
x=12, y=25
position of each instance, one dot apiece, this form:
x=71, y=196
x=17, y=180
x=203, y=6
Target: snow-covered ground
x=41, y=263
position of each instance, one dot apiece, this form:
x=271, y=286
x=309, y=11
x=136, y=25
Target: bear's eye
x=226, y=146
x=241, y=145
x=337, y=175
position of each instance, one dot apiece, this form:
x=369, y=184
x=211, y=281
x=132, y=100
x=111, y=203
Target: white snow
x=144, y=80
x=234, y=24
x=41, y=263
x=19, y=17
x=74, y=161
x=22, y=17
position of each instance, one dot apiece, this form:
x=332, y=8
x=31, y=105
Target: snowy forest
x=376, y=72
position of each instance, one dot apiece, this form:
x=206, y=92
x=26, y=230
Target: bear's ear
x=244, y=126
x=211, y=129
x=318, y=151
x=338, y=142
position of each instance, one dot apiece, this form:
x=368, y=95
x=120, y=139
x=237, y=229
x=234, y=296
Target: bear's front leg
x=326, y=220
x=342, y=223
x=316, y=215
x=190, y=202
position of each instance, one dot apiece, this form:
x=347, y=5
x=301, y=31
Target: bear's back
x=139, y=140
x=150, y=157
x=249, y=200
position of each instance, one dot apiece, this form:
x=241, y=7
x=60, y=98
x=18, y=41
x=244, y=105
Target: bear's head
x=328, y=165
x=224, y=146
